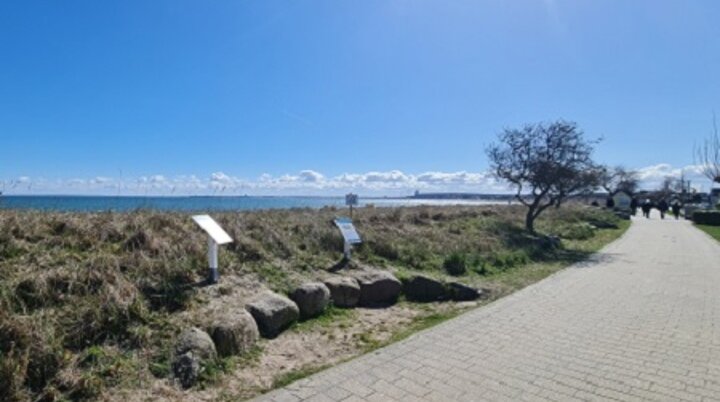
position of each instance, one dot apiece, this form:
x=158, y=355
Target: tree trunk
x=530, y=220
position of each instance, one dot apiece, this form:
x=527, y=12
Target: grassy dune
x=90, y=303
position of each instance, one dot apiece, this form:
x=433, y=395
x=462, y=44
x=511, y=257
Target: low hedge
x=711, y=218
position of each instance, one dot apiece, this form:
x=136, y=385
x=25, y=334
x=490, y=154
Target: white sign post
x=350, y=235
x=216, y=237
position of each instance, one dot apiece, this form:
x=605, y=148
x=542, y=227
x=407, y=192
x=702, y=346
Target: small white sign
x=348, y=230
x=212, y=228
x=351, y=199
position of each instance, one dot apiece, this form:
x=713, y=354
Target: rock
x=378, y=288
x=234, y=333
x=311, y=298
x=344, y=291
x=424, y=289
x=186, y=369
x=273, y=313
x=460, y=292
x=193, y=348
x=197, y=341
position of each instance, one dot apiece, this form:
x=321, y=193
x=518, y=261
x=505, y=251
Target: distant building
x=622, y=200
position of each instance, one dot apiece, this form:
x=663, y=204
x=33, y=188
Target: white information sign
x=348, y=230
x=212, y=228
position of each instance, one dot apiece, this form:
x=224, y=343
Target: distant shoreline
x=125, y=203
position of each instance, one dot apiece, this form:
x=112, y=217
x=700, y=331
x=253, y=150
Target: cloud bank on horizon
x=309, y=182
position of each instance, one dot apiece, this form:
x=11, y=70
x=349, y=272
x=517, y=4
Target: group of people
x=661, y=206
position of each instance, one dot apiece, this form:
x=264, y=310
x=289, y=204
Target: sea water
x=70, y=203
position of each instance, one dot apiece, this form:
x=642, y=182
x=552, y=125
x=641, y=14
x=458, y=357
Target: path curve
x=639, y=322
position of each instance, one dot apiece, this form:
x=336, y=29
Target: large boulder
x=234, y=333
x=186, y=369
x=344, y=291
x=423, y=289
x=193, y=348
x=311, y=298
x=378, y=288
x=273, y=313
x=460, y=292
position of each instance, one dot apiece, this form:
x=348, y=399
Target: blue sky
x=99, y=95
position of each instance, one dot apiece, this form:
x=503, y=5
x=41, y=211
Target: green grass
x=333, y=316
x=573, y=251
x=713, y=231
x=298, y=374
x=419, y=324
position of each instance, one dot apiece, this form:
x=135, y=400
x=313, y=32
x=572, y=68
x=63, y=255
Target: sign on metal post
x=350, y=235
x=351, y=200
x=216, y=236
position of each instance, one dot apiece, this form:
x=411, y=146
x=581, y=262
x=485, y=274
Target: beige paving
x=640, y=322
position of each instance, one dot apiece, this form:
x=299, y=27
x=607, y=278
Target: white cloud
x=158, y=179
x=456, y=177
x=100, y=180
x=311, y=176
x=76, y=182
x=310, y=182
x=651, y=177
x=394, y=176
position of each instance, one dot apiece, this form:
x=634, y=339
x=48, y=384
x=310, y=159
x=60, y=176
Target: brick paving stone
x=640, y=321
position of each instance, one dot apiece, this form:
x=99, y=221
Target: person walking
x=633, y=206
x=646, y=206
x=676, y=209
x=609, y=203
x=663, y=208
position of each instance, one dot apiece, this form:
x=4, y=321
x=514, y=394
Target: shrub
x=711, y=218
x=12, y=376
x=578, y=231
x=455, y=264
x=419, y=257
x=385, y=250
x=29, y=355
x=510, y=259
x=478, y=265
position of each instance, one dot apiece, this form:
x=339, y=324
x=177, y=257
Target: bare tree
x=707, y=154
x=546, y=163
x=681, y=184
x=667, y=185
x=618, y=179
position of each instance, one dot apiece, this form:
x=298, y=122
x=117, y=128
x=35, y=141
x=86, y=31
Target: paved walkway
x=639, y=323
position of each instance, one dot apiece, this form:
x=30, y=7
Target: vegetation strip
x=91, y=304
x=713, y=231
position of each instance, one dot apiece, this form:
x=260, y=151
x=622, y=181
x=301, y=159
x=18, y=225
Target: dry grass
x=90, y=302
